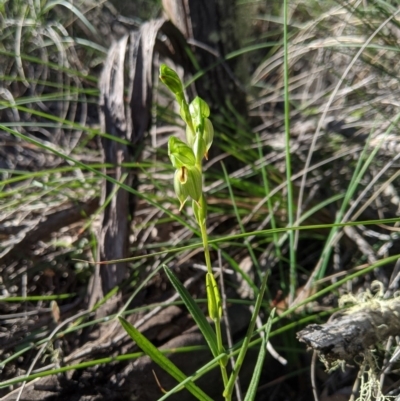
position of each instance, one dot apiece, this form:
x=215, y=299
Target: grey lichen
x=370, y=321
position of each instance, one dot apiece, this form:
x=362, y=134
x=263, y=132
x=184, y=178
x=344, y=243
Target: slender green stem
x=293, y=276
x=204, y=235
x=199, y=139
x=221, y=349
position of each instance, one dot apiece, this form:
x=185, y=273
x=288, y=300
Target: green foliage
x=161, y=359
x=281, y=203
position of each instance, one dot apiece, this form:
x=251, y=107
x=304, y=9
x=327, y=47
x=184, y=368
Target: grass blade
x=290, y=211
x=252, y=390
x=207, y=367
x=195, y=311
x=161, y=360
x=74, y=10
x=246, y=342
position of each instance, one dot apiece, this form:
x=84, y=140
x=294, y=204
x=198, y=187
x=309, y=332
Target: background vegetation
x=328, y=166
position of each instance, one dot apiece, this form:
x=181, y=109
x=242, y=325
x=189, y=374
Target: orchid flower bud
x=171, y=79
x=213, y=298
x=180, y=153
x=194, y=183
x=188, y=182
x=199, y=110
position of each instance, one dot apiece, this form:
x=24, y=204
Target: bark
x=212, y=28
x=360, y=329
x=126, y=117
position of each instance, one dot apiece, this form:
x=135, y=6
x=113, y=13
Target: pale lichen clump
x=357, y=335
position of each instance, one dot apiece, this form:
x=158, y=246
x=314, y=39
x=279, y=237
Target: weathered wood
x=356, y=332
x=126, y=116
x=114, y=235
x=211, y=27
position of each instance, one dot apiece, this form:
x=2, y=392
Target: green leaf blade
x=252, y=390
x=161, y=360
x=195, y=311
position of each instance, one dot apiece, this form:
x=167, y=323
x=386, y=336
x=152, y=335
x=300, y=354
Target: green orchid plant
x=186, y=158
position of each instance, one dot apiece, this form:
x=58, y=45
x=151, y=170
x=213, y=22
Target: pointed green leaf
x=199, y=148
x=195, y=311
x=199, y=373
x=180, y=153
x=161, y=360
x=213, y=298
x=208, y=134
x=171, y=79
x=194, y=183
x=252, y=390
x=246, y=341
x=199, y=108
x=190, y=136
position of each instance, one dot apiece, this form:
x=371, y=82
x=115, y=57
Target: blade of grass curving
x=161, y=360
x=56, y=66
x=94, y=362
x=73, y=89
x=99, y=174
x=252, y=390
x=22, y=175
x=235, y=266
x=228, y=239
x=270, y=210
x=85, y=43
x=77, y=325
x=239, y=220
x=17, y=45
x=195, y=311
x=243, y=350
x=65, y=121
x=33, y=298
x=326, y=290
x=355, y=181
x=200, y=372
x=74, y=10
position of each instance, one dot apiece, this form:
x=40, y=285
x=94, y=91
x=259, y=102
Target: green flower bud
x=198, y=107
x=194, y=184
x=180, y=153
x=171, y=79
x=199, y=110
x=208, y=135
x=180, y=189
x=188, y=182
x=213, y=298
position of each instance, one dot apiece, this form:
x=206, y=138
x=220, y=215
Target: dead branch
x=356, y=332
